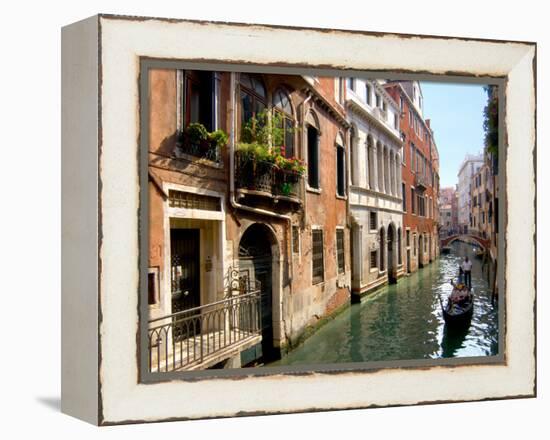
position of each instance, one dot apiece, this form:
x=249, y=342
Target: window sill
x=313, y=190
x=341, y=197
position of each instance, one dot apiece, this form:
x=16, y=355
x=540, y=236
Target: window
x=378, y=100
x=152, y=286
x=351, y=83
x=253, y=98
x=415, y=240
x=283, y=108
x=373, y=259
x=421, y=205
x=180, y=199
x=404, y=195
x=401, y=103
x=198, y=98
x=395, y=120
x=368, y=95
x=408, y=237
x=313, y=157
x=318, y=269
x=373, y=223
x=413, y=156
x=340, y=171
x=341, y=90
x=413, y=207
x=340, y=250
x=295, y=239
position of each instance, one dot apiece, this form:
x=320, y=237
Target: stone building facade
x=470, y=165
x=448, y=206
x=216, y=218
x=375, y=198
x=420, y=176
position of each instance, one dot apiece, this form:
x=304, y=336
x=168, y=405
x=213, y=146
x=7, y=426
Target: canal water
x=404, y=321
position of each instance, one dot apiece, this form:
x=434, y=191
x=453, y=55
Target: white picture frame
x=101, y=201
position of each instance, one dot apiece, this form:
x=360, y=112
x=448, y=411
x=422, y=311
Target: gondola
x=459, y=308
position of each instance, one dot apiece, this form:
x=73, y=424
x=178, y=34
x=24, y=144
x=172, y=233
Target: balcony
x=255, y=178
x=204, y=336
x=380, y=114
x=420, y=181
x=203, y=151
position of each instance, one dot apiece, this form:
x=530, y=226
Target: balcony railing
x=201, y=336
x=263, y=178
x=420, y=181
x=203, y=150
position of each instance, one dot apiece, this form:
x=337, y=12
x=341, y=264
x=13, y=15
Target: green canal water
x=404, y=321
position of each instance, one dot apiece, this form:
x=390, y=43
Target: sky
x=456, y=117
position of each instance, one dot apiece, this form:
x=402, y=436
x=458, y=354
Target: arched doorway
x=421, y=250
x=256, y=264
x=391, y=254
x=382, y=249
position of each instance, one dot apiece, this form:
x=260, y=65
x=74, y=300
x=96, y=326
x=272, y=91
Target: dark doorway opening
x=391, y=244
x=256, y=264
x=185, y=274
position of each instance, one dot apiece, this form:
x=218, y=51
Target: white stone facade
x=375, y=198
x=469, y=167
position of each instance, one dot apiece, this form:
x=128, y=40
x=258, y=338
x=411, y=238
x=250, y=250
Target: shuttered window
x=372, y=221
x=317, y=258
x=340, y=250
x=373, y=259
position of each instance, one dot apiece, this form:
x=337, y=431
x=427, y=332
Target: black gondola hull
x=459, y=319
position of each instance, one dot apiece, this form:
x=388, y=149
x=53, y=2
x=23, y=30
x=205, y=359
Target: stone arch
x=391, y=253
x=382, y=256
x=259, y=267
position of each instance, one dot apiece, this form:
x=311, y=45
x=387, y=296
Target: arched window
x=353, y=156
x=283, y=108
x=340, y=166
x=253, y=98
x=313, y=137
x=370, y=163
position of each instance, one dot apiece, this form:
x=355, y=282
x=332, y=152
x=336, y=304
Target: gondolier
x=466, y=267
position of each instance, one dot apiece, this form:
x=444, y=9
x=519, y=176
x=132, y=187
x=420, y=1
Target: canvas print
x=301, y=220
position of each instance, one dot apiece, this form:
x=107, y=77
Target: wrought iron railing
x=264, y=177
x=203, y=150
x=193, y=336
x=420, y=180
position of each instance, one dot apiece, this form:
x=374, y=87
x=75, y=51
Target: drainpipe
x=232, y=199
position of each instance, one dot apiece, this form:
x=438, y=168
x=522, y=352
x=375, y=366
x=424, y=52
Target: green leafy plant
x=196, y=133
x=255, y=151
x=218, y=138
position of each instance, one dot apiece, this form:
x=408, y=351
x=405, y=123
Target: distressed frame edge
x=80, y=396
x=104, y=422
